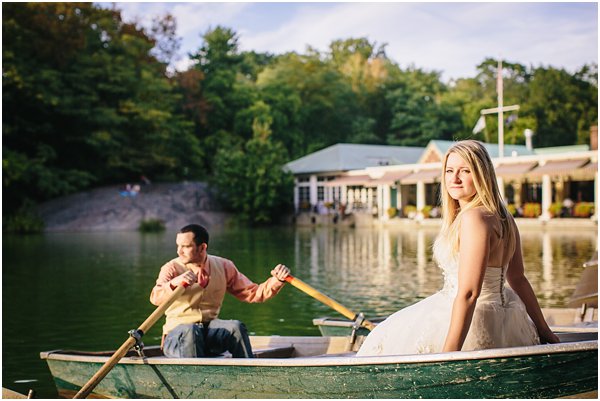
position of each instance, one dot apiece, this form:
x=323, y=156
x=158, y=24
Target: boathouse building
x=388, y=182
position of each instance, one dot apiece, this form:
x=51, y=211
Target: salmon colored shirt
x=198, y=304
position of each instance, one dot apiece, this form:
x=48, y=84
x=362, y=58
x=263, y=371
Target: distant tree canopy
x=85, y=103
x=88, y=101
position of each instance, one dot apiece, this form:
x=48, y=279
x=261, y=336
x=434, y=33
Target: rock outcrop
x=112, y=209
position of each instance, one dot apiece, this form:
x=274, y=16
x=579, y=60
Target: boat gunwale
x=582, y=327
x=333, y=361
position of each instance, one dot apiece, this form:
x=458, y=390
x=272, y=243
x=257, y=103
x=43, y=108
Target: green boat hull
x=527, y=372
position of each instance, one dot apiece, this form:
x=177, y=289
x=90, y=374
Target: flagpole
x=500, y=90
x=480, y=125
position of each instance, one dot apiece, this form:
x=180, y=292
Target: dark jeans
x=198, y=340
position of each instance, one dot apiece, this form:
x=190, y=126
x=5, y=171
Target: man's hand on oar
x=302, y=286
x=280, y=272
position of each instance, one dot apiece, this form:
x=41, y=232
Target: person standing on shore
x=192, y=328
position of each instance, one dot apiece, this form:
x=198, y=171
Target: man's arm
x=169, y=278
x=246, y=290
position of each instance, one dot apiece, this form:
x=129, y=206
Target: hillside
x=107, y=209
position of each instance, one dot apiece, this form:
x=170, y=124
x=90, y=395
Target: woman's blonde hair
x=487, y=195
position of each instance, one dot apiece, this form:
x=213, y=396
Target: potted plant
x=583, y=209
x=426, y=210
x=555, y=209
x=410, y=211
x=532, y=210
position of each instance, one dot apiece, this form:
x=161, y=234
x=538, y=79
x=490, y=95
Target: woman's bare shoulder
x=479, y=212
x=479, y=216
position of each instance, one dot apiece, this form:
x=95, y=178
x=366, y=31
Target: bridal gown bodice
x=499, y=320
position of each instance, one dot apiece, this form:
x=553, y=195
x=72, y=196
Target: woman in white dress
x=478, y=248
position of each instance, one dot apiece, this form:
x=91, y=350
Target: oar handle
x=120, y=353
x=313, y=292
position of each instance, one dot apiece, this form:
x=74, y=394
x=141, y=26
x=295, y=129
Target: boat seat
x=339, y=354
x=267, y=352
x=274, y=352
x=578, y=336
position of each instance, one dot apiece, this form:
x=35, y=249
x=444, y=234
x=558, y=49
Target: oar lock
x=358, y=320
x=139, y=345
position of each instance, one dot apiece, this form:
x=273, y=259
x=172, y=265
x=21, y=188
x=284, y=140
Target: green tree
x=251, y=179
x=367, y=69
x=419, y=112
x=311, y=98
x=220, y=89
x=564, y=106
x=218, y=59
x=85, y=102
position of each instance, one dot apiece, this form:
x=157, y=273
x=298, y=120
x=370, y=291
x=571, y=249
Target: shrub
x=532, y=210
x=151, y=226
x=409, y=211
x=426, y=210
x=24, y=221
x=583, y=209
x=555, y=209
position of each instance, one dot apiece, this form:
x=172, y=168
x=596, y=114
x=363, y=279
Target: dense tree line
x=88, y=101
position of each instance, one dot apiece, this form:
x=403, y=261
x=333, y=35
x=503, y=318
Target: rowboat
x=326, y=367
x=583, y=318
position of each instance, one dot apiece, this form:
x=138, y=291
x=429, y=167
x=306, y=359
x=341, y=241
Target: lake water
x=87, y=290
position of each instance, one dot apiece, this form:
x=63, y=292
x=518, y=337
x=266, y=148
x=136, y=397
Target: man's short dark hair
x=200, y=233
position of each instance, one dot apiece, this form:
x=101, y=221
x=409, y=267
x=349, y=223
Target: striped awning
x=391, y=177
x=349, y=180
x=593, y=167
x=514, y=168
x=558, y=167
x=427, y=176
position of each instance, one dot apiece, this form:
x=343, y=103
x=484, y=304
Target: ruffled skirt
x=422, y=327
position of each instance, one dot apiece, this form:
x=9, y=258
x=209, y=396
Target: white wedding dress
x=500, y=318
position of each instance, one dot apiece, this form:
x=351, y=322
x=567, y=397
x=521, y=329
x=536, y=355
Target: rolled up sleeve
x=246, y=290
x=162, y=290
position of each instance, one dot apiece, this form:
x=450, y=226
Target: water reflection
x=547, y=261
x=381, y=271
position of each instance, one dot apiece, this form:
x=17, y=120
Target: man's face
x=187, y=250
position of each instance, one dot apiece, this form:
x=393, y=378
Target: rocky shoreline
x=112, y=209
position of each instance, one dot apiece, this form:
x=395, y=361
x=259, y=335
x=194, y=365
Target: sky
x=452, y=38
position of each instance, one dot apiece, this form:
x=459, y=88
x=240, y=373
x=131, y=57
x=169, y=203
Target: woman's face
x=459, y=179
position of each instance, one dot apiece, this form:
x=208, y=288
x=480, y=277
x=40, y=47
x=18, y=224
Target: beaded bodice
x=493, y=281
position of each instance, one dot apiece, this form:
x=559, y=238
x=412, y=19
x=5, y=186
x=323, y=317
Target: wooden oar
x=120, y=353
x=313, y=292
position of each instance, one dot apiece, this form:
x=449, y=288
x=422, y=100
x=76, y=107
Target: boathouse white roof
x=345, y=156
x=436, y=149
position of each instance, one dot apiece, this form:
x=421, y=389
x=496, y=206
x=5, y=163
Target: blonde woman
x=478, y=249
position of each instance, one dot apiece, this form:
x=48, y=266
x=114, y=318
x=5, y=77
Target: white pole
x=546, y=197
x=313, y=190
x=296, y=195
x=499, y=88
x=420, y=198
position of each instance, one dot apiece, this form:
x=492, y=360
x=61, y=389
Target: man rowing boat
x=192, y=328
